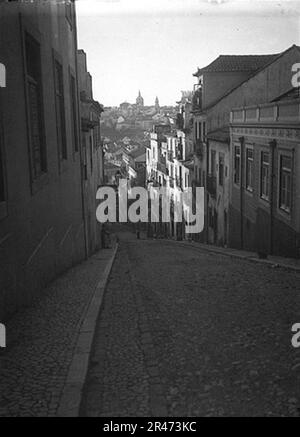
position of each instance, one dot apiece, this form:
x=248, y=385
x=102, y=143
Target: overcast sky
x=157, y=45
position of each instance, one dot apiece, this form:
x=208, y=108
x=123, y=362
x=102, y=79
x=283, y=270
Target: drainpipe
x=242, y=143
x=79, y=141
x=272, y=147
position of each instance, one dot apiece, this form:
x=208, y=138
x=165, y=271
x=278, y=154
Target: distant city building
x=140, y=100
x=124, y=105
x=157, y=104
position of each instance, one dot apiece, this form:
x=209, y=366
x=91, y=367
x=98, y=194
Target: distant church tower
x=140, y=100
x=157, y=104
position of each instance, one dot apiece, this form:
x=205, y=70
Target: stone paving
x=185, y=332
x=41, y=340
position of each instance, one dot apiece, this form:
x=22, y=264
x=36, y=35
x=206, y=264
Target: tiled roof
x=110, y=166
x=141, y=158
x=137, y=152
x=237, y=63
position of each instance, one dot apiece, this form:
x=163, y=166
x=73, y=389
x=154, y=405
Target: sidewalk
x=273, y=261
x=44, y=340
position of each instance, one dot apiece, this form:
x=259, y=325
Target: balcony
x=161, y=167
x=199, y=148
x=197, y=100
x=212, y=185
x=179, y=155
x=179, y=121
x=161, y=164
x=170, y=155
x=179, y=182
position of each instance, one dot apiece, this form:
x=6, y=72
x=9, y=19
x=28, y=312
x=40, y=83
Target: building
x=92, y=152
x=138, y=163
x=42, y=224
x=156, y=105
x=265, y=178
x=228, y=82
x=139, y=100
x=111, y=171
x=140, y=168
x=169, y=166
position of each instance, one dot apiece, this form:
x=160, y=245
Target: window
x=95, y=135
x=285, y=188
x=221, y=169
x=210, y=217
x=60, y=110
x=68, y=5
x=35, y=107
x=237, y=164
x=204, y=131
x=249, y=169
x=264, y=175
x=180, y=177
x=83, y=141
x=199, y=130
x=91, y=153
x=2, y=174
x=212, y=161
x=2, y=188
x=74, y=113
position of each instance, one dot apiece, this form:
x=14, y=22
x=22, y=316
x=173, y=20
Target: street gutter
x=73, y=389
x=229, y=252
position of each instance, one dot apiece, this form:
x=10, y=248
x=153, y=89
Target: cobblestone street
x=41, y=341
x=185, y=332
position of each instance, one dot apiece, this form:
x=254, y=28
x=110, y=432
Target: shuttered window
x=35, y=107
x=2, y=164
x=74, y=112
x=249, y=169
x=285, y=196
x=264, y=175
x=60, y=110
x=237, y=164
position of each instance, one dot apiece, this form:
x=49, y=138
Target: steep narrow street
x=185, y=332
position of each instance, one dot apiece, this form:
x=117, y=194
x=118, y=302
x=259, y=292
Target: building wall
x=256, y=223
x=265, y=86
x=218, y=205
x=41, y=221
x=216, y=84
x=268, y=84
x=92, y=153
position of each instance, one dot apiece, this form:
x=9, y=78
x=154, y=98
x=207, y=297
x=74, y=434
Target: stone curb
x=250, y=258
x=70, y=401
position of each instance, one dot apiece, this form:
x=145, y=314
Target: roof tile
x=237, y=63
